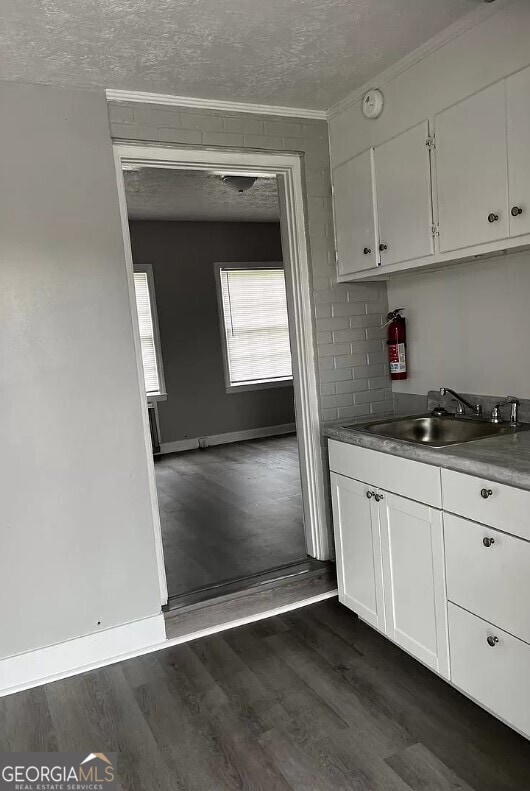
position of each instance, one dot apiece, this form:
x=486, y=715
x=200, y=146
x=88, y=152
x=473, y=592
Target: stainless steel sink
x=437, y=432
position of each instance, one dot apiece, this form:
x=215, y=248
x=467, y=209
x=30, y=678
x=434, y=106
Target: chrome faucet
x=462, y=402
x=514, y=411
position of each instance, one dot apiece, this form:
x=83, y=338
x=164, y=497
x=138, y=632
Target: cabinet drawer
x=490, y=503
x=412, y=479
x=495, y=676
x=487, y=573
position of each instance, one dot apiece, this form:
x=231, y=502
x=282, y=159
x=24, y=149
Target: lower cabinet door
x=358, y=548
x=414, y=579
x=491, y=666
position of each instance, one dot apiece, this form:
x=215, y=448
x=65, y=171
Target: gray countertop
x=504, y=459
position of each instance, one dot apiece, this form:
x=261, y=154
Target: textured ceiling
x=157, y=194
x=301, y=53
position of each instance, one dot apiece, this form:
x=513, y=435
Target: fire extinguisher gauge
x=394, y=313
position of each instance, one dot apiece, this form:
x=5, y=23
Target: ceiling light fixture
x=239, y=183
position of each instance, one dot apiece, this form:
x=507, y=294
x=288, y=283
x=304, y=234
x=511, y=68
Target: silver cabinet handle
x=485, y=493
x=369, y=495
x=492, y=641
x=378, y=497
x=487, y=541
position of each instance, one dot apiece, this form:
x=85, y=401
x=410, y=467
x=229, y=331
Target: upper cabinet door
x=354, y=211
x=414, y=579
x=358, y=548
x=518, y=107
x=404, y=199
x=471, y=168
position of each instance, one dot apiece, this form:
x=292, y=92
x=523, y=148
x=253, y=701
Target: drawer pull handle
x=370, y=495
x=492, y=641
x=485, y=493
x=378, y=497
x=488, y=541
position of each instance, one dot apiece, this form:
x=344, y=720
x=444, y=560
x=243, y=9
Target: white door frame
x=288, y=169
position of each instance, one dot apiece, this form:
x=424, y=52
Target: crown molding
x=217, y=105
x=450, y=33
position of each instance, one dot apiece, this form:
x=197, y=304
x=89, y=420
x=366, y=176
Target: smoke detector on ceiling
x=239, y=183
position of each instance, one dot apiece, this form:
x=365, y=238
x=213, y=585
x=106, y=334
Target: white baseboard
x=131, y=640
x=179, y=446
x=222, y=439
x=80, y=654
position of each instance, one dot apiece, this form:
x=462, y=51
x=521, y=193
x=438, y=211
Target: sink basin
x=437, y=432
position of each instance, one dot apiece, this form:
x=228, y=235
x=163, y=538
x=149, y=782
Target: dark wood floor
x=311, y=700
x=229, y=511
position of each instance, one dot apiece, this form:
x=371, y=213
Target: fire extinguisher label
x=397, y=357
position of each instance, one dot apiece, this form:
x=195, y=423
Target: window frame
x=161, y=395
x=264, y=385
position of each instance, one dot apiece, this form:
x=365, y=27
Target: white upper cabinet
x=404, y=200
x=354, y=212
x=518, y=109
x=472, y=173
x=465, y=195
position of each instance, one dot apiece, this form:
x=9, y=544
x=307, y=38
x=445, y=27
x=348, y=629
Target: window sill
x=268, y=385
x=156, y=397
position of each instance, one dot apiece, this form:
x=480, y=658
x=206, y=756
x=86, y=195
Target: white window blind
x=256, y=325
x=147, y=335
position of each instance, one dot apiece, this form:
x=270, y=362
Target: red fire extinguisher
x=397, y=344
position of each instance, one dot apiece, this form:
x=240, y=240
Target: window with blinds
x=254, y=307
x=148, y=338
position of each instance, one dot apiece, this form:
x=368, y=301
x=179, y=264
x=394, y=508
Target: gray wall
x=183, y=256
x=76, y=528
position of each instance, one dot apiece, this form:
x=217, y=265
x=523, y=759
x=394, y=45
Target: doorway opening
x=220, y=288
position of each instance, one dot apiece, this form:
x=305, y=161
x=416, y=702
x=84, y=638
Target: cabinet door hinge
x=431, y=143
x=435, y=230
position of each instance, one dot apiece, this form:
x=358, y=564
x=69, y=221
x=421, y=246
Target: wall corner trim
x=79, y=655
x=216, y=105
x=447, y=35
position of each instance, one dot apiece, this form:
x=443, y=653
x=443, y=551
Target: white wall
x=448, y=310
x=468, y=327
x=77, y=550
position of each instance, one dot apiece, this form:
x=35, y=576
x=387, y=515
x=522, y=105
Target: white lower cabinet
x=414, y=579
x=491, y=666
x=488, y=574
x=452, y=592
x=390, y=567
x=358, y=549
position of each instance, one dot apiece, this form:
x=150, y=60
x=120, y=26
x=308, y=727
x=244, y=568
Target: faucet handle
x=514, y=411
x=496, y=414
